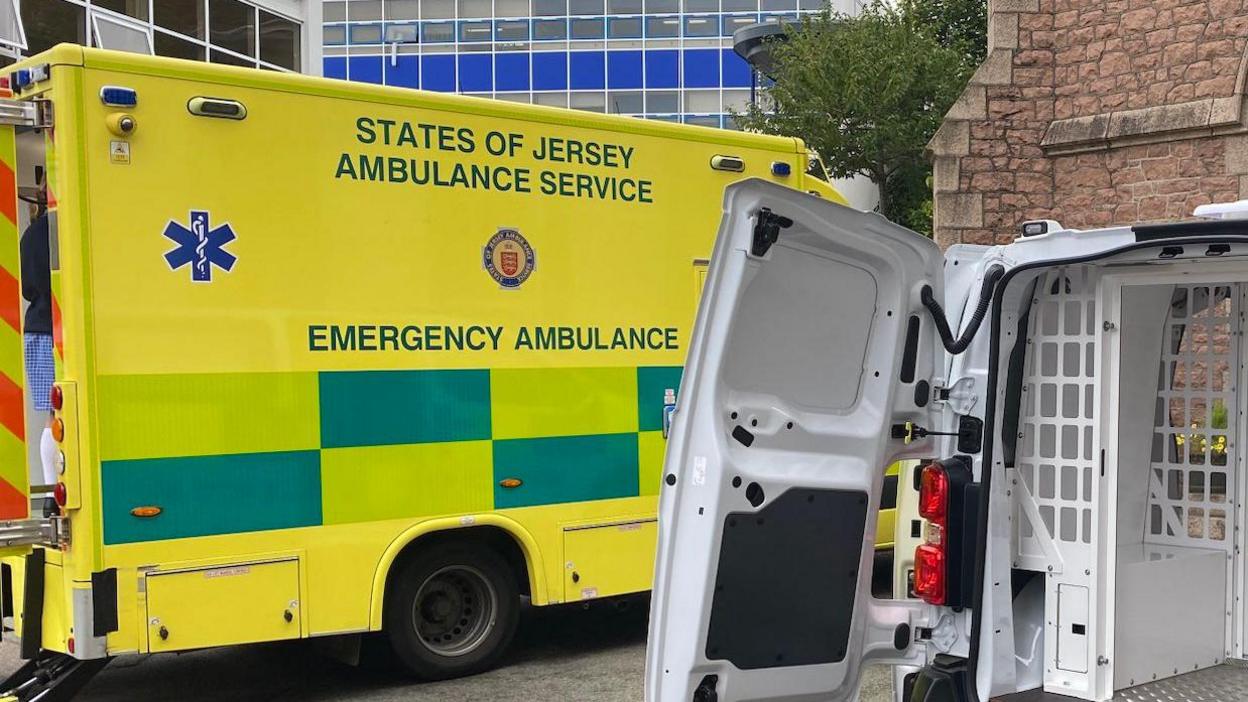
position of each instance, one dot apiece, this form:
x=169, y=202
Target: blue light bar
x=780, y=168
x=116, y=96
x=20, y=79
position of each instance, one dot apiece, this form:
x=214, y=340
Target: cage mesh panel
x=1057, y=451
x=1191, y=486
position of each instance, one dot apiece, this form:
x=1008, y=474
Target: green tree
x=867, y=93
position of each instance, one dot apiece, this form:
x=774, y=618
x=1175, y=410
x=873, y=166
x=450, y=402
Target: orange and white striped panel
x=14, y=478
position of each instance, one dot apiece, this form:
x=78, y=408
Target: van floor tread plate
x=1222, y=683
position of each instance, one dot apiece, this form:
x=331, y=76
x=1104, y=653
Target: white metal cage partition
x=1054, y=487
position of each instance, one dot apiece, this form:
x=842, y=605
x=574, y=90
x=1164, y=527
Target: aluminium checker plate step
x=1222, y=683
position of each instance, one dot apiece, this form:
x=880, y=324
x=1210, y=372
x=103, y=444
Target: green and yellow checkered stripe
x=246, y=452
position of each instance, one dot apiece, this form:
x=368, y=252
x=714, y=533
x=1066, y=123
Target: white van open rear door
x=811, y=352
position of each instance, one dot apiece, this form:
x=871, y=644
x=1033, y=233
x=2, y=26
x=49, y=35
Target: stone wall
x=1095, y=112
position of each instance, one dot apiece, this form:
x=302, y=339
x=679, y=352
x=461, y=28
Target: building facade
x=1094, y=113
x=280, y=35
x=662, y=59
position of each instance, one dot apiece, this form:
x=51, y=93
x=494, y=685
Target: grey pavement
x=563, y=653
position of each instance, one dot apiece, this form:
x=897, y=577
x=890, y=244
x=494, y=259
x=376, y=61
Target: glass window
x=365, y=33
x=511, y=30
x=187, y=16
x=475, y=8
x=736, y=100
x=176, y=47
x=551, y=99
x=701, y=101
x=51, y=22
x=511, y=8
x=625, y=103
x=740, y=5
x=401, y=33
x=437, y=9
x=514, y=97
x=11, y=32
x=665, y=118
x=402, y=9
x=587, y=28
x=658, y=27
x=233, y=26
x=702, y=5
x=357, y=10
x=701, y=26
x=656, y=7
x=475, y=31
x=231, y=60
x=662, y=101
x=785, y=19
x=703, y=120
x=131, y=8
x=624, y=27
x=331, y=11
x=623, y=7
x=734, y=22
x=812, y=4
x=437, y=32
x=279, y=41
x=550, y=8
x=592, y=102
x=120, y=35
x=550, y=29
x=584, y=7
x=332, y=35
x=780, y=5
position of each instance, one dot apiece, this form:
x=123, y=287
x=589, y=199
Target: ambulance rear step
x=53, y=677
x=26, y=113
x=48, y=531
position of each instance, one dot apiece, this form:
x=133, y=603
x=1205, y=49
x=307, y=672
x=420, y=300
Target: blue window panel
x=736, y=70
x=623, y=69
x=475, y=73
x=550, y=70
x=366, y=69
x=702, y=68
x=588, y=70
x=335, y=67
x=439, y=72
x=511, y=71
x=663, y=68
x=404, y=72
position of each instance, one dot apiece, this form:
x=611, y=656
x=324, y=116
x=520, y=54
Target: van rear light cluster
x=948, y=500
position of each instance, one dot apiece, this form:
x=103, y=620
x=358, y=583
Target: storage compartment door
x=224, y=605
x=615, y=559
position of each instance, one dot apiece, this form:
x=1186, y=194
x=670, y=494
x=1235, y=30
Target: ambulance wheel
x=452, y=611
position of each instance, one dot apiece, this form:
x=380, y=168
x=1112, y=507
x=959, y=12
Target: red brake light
x=69, y=644
x=60, y=494
x=57, y=398
x=934, y=493
x=929, y=574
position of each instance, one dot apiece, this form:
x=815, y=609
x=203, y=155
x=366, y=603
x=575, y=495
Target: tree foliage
x=868, y=92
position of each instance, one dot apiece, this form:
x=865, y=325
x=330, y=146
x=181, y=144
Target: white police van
x=1075, y=399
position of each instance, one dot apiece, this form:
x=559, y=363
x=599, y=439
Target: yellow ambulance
x=336, y=358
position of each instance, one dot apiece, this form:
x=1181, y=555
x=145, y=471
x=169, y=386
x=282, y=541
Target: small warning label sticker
x=119, y=152
x=589, y=593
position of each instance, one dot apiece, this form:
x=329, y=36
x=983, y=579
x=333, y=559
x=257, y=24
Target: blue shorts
x=40, y=369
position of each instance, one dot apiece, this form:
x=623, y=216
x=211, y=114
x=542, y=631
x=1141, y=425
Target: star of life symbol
x=201, y=246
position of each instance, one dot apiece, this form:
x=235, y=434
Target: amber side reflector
x=146, y=511
x=58, y=430
x=511, y=482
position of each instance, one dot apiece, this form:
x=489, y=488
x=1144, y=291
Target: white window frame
x=99, y=14
x=20, y=44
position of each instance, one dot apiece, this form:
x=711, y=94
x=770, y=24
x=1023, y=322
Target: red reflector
x=60, y=494
x=929, y=574
x=934, y=493
x=69, y=644
x=58, y=397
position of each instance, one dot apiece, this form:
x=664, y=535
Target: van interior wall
x=1172, y=576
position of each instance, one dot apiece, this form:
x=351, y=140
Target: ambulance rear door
x=811, y=350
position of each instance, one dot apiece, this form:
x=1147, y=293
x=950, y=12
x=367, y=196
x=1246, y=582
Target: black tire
x=451, y=611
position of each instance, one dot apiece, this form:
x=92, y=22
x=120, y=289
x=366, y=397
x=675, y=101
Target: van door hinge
x=767, y=226
x=26, y=113
x=960, y=396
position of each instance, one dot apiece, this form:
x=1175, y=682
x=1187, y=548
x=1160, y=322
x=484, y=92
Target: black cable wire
x=956, y=347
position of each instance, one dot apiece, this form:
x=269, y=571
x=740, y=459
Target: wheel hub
x=454, y=610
